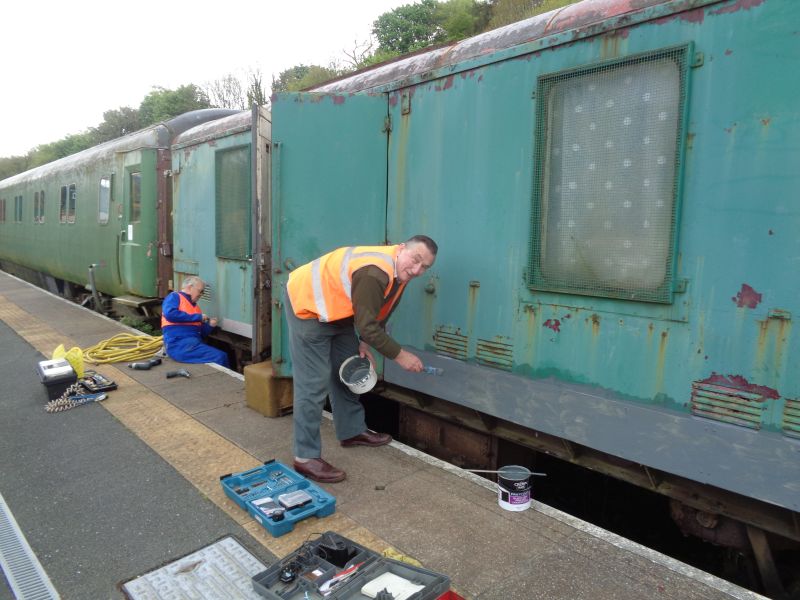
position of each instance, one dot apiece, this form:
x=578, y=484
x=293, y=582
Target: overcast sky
x=64, y=63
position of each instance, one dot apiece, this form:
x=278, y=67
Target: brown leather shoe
x=319, y=470
x=368, y=438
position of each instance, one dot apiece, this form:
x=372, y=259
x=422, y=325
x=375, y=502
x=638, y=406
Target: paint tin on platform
x=514, y=488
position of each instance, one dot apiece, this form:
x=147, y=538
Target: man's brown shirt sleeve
x=367, y=291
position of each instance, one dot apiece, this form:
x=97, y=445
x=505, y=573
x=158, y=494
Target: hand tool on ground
x=178, y=373
x=146, y=365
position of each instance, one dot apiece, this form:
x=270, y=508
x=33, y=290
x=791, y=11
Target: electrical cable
x=123, y=347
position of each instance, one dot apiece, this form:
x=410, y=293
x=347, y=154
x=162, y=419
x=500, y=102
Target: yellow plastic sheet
x=74, y=356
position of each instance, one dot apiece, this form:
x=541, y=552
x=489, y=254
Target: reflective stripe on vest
x=186, y=306
x=333, y=273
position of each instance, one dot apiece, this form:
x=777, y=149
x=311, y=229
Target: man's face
x=413, y=260
x=195, y=290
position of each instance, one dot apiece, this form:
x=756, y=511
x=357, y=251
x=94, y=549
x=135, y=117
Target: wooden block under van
x=271, y=396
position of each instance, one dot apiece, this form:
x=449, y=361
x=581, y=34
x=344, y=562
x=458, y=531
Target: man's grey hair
x=194, y=281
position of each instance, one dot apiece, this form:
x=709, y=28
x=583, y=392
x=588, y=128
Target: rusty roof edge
x=224, y=127
x=559, y=26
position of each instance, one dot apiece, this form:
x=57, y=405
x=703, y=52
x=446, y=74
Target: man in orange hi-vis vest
x=337, y=306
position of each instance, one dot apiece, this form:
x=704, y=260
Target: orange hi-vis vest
x=321, y=289
x=187, y=307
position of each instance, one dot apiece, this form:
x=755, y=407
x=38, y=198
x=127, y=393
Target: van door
x=328, y=185
x=137, y=236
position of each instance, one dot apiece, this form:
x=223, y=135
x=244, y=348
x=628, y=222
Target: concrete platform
x=394, y=497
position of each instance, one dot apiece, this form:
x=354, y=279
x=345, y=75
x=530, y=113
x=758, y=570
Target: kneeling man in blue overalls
x=184, y=326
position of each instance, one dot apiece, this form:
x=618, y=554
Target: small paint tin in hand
x=358, y=374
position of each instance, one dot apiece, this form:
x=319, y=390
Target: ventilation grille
x=451, y=343
x=791, y=418
x=729, y=405
x=493, y=353
x=207, y=290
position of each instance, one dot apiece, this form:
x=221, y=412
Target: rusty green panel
x=461, y=164
x=328, y=184
x=212, y=218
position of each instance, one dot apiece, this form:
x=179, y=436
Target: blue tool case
x=277, y=496
x=333, y=567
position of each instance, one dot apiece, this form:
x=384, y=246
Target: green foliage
x=378, y=57
x=409, y=27
x=162, y=104
x=460, y=19
x=116, y=123
x=256, y=92
x=505, y=12
x=75, y=142
x=301, y=77
x=142, y=326
x=11, y=165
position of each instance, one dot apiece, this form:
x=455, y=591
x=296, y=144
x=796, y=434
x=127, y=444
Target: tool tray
x=318, y=561
x=94, y=382
x=272, y=490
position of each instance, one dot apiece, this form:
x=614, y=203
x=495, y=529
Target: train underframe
x=757, y=534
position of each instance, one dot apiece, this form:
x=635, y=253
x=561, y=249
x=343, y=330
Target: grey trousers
x=318, y=350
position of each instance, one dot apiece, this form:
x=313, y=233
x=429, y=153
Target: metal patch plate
x=219, y=571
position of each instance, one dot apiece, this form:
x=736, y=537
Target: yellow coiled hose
x=123, y=347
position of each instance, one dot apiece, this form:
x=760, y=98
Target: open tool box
x=333, y=567
x=277, y=496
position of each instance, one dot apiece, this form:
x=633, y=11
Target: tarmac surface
x=109, y=491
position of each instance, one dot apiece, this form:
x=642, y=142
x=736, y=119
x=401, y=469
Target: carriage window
x=38, y=207
x=609, y=146
x=18, y=209
x=72, y=201
x=232, y=187
x=2, y=210
x=136, y=197
x=104, y=200
x=62, y=210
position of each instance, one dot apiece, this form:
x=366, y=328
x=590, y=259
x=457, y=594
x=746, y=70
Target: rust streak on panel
x=595, y=325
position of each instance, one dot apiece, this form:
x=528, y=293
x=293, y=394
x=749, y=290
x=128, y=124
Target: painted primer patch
x=747, y=297
x=221, y=570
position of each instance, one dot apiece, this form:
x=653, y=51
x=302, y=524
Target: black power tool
x=146, y=365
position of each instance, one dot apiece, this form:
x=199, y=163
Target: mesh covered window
x=608, y=153
x=233, y=207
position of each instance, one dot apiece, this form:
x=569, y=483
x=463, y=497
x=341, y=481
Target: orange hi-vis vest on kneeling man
x=321, y=289
x=187, y=307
